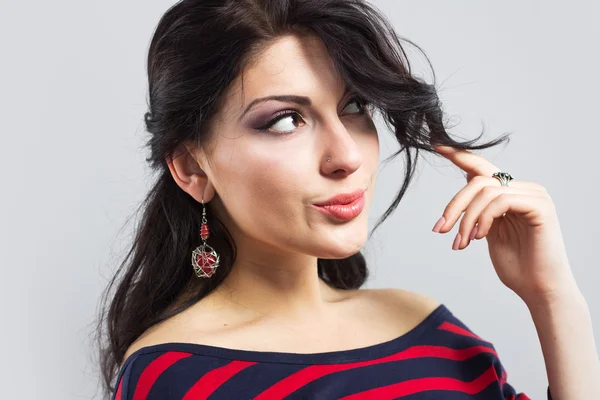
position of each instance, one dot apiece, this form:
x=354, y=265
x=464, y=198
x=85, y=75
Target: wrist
x=567, y=298
x=567, y=294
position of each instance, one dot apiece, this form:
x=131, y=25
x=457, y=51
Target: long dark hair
x=198, y=49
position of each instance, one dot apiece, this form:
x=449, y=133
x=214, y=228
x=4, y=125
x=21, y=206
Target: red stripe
x=522, y=396
x=154, y=370
x=119, y=389
x=210, y=381
x=295, y=381
x=450, y=327
x=425, y=384
x=503, y=377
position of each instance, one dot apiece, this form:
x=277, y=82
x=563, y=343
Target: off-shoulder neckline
x=330, y=357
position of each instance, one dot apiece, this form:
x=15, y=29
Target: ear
x=188, y=174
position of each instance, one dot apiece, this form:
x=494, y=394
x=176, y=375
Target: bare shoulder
x=206, y=322
x=409, y=305
x=398, y=310
x=175, y=329
x=151, y=337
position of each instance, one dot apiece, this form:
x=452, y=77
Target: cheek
x=260, y=189
x=269, y=185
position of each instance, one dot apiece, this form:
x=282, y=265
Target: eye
x=284, y=122
x=361, y=104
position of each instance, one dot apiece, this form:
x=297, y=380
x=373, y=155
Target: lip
x=345, y=206
x=342, y=199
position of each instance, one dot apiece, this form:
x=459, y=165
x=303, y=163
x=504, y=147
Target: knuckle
x=504, y=197
x=451, y=207
x=465, y=222
x=479, y=180
x=483, y=217
x=489, y=190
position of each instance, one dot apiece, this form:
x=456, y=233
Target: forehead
x=289, y=65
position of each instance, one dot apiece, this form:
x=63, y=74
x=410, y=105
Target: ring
x=503, y=177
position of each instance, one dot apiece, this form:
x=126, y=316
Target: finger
x=473, y=212
x=473, y=164
x=509, y=202
x=465, y=196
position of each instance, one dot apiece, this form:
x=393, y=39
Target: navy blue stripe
x=369, y=377
x=450, y=339
x=489, y=393
x=136, y=367
x=254, y=379
x=178, y=379
x=124, y=379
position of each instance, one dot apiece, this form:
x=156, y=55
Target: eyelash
x=294, y=111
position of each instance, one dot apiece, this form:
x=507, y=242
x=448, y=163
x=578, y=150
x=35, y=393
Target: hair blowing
x=199, y=47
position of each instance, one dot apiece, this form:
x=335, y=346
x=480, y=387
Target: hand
x=520, y=225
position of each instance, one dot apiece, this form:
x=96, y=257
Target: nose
x=339, y=145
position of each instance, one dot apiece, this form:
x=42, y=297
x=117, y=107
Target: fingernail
x=473, y=232
x=438, y=225
x=456, y=241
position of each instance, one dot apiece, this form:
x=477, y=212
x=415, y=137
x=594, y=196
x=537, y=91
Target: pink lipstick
x=345, y=206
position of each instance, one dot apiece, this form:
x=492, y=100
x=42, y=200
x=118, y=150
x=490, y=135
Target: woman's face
x=267, y=176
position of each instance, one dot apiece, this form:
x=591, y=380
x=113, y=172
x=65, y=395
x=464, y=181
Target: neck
x=285, y=286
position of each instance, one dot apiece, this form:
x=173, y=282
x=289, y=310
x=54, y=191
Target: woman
x=244, y=277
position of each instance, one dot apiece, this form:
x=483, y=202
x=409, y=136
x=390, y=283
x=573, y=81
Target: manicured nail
x=456, y=241
x=438, y=225
x=473, y=232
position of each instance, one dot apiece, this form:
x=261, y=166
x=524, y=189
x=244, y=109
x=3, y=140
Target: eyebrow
x=290, y=98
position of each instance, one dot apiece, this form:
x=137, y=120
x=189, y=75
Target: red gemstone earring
x=205, y=259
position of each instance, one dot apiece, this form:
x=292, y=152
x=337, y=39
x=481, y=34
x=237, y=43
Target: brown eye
x=287, y=123
x=283, y=123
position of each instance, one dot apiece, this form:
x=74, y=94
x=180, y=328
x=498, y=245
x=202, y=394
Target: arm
x=526, y=247
x=564, y=328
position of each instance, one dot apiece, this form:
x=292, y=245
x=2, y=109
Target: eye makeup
x=264, y=124
x=290, y=112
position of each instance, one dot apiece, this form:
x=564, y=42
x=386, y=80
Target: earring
x=205, y=259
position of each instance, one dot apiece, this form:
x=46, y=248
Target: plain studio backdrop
x=73, y=88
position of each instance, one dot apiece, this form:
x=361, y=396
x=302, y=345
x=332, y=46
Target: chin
x=343, y=248
x=339, y=253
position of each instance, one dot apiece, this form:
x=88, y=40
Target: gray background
x=72, y=98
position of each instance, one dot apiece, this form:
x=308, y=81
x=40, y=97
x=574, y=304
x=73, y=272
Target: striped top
x=438, y=359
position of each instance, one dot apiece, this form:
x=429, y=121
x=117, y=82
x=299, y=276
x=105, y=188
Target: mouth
x=345, y=206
